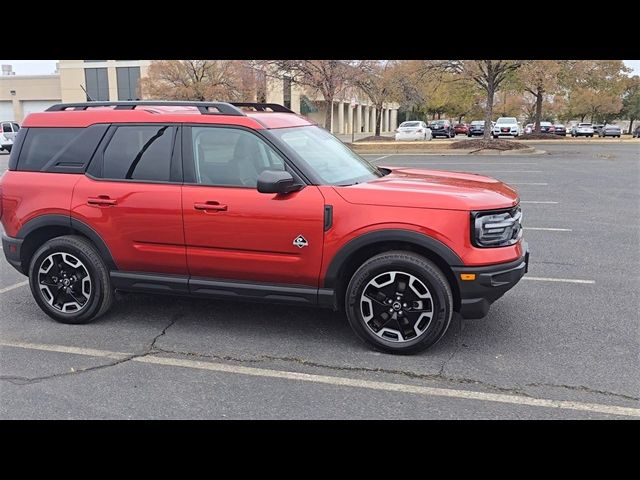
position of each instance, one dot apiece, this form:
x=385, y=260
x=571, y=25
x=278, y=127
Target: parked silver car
x=610, y=131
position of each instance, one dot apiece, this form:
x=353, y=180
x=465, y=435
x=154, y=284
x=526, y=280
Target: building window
x=97, y=83
x=128, y=79
x=286, y=91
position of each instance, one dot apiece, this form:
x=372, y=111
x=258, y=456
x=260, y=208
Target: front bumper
x=491, y=282
x=11, y=248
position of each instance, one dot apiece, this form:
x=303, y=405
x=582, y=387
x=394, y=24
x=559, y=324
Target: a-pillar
x=367, y=119
x=358, y=118
x=394, y=119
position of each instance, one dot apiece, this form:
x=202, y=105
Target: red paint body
x=238, y=233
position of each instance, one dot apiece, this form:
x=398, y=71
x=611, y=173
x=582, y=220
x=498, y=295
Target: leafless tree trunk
x=538, y=111
x=488, y=110
x=378, y=118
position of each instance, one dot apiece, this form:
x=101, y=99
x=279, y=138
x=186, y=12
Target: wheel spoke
x=76, y=299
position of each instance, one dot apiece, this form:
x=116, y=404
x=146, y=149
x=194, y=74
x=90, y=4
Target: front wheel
x=399, y=302
x=69, y=280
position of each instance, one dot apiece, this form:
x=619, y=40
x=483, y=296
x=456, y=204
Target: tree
x=594, y=88
x=539, y=78
x=488, y=75
x=193, y=80
x=327, y=77
x=380, y=81
x=631, y=101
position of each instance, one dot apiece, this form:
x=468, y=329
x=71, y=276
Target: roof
x=171, y=113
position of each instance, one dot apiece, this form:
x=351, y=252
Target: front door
x=234, y=232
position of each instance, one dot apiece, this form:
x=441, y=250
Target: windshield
x=328, y=157
x=507, y=120
x=438, y=122
x=410, y=124
x=478, y=122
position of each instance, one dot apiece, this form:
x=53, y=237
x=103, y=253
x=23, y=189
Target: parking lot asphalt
x=563, y=343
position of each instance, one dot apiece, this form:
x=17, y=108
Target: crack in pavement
x=302, y=361
x=18, y=380
x=582, y=388
x=153, y=349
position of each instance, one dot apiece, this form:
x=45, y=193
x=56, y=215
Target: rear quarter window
x=42, y=144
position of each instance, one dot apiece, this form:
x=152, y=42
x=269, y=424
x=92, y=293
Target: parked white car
x=8, y=132
x=582, y=130
x=506, y=126
x=413, y=130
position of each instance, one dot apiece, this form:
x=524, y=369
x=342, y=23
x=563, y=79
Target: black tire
x=427, y=273
x=101, y=293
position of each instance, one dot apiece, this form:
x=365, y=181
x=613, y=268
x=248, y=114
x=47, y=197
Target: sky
x=44, y=67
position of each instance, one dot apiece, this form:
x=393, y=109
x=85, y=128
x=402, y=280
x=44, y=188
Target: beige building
x=107, y=80
x=113, y=80
x=23, y=94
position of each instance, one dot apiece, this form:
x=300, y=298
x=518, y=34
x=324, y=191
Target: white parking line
x=535, y=201
x=549, y=229
x=563, y=280
x=469, y=163
x=343, y=381
x=13, y=287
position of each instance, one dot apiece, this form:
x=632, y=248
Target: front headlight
x=499, y=228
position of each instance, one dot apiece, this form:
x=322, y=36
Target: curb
x=450, y=151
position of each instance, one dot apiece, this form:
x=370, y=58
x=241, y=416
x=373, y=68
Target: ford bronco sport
x=249, y=201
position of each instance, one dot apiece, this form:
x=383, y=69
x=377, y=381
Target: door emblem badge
x=300, y=242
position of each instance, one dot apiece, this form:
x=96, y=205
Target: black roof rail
x=206, y=108
x=263, y=107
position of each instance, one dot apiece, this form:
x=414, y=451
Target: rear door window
x=139, y=152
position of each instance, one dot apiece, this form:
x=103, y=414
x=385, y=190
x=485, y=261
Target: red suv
x=253, y=202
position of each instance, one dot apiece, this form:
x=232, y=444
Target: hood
x=412, y=187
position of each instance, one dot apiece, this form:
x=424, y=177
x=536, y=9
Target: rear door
x=131, y=196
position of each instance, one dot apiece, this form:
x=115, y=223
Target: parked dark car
x=636, y=132
x=462, y=128
x=546, y=127
x=442, y=128
x=597, y=128
x=560, y=130
x=476, y=128
x=610, y=131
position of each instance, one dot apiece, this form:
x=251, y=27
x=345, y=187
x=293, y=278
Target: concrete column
x=388, y=119
x=383, y=121
x=340, y=128
x=18, y=114
x=350, y=119
x=394, y=119
x=373, y=119
x=358, y=118
x=367, y=118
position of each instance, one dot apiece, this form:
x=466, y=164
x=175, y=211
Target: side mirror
x=277, y=181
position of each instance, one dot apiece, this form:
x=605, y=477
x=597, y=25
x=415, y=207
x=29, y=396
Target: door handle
x=101, y=201
x=211, y=206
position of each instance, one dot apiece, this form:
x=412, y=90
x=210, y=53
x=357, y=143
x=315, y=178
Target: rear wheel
x=70, y=281
x=399, y=302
